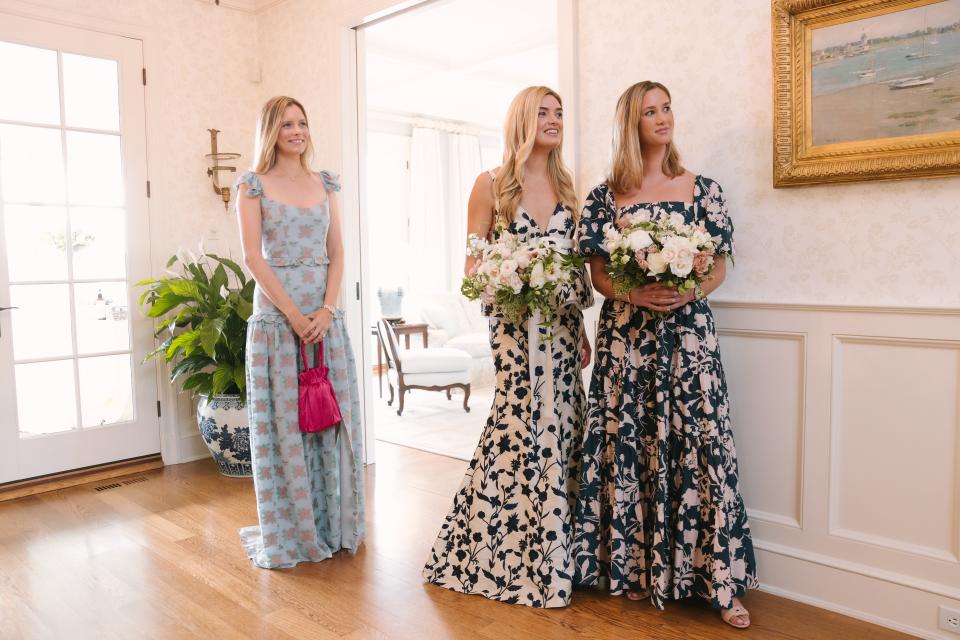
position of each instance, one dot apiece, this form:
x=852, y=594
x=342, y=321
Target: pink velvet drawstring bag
x=319, y=409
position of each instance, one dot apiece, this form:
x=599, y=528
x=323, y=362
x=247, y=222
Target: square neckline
x=325, y=201
x=686, y=205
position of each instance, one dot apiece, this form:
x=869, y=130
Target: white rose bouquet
x=665, y=249
x=519, y=277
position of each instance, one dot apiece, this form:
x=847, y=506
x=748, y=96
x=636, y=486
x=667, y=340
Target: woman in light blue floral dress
x=659, y=512
x=309, y=486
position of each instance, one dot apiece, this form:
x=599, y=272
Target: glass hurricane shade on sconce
x=391, y=299
x=221, y=189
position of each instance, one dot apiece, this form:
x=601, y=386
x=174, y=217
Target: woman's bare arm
x=480, y=212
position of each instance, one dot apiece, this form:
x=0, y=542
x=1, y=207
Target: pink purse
x=319, y=409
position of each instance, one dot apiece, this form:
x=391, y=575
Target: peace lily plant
x=201, y=311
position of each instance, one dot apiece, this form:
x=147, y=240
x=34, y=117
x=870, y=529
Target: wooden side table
x=405, y=329
x=409, y=328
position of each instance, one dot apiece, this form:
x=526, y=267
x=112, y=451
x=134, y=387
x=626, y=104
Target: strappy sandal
x=736, y=611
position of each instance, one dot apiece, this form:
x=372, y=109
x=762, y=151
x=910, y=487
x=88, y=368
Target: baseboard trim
x=892, y=577
x=65, y=479
x=846, y=611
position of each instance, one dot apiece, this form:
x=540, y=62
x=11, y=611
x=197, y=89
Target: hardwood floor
x=162, y=559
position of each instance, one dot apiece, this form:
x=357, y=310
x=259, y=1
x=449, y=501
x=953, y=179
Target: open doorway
x=436, y=83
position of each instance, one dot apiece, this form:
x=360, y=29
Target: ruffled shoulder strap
x=331, y=181
x=252, y=180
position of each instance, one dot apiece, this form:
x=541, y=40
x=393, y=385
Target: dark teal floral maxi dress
x=658, y=508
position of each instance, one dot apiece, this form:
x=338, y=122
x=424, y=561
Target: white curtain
x=443, y=167
x=463, y=167
x=428, y=233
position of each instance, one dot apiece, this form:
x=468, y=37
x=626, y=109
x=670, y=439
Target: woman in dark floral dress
x=659, y=510
x=509, y=534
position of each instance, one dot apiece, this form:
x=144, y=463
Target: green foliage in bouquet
x=202, y=322
x=542, y=294
x=625, y=274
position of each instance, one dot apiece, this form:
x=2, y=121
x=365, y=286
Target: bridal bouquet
x=519, y=277
x=666, y=249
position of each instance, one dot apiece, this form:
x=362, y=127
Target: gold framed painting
x=865, y=90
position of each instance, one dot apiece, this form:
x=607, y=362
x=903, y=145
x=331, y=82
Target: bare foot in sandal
x=637, y=595
x=736, y=616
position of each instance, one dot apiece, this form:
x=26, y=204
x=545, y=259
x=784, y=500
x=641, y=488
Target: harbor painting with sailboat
x=892, y=75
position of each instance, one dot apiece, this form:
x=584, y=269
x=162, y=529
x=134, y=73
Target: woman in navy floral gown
x=659, y=512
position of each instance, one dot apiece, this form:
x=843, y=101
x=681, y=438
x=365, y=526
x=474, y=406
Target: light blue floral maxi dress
x=309, y=486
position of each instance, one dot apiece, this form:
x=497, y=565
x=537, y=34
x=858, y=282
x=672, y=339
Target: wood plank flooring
x=162, y=559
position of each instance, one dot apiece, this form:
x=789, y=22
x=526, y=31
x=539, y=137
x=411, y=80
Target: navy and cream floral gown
x=659, y=508
x=509, y=535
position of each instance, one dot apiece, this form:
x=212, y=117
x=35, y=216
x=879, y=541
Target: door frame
x=136, y=169
x=360, y=312
x=172, y=448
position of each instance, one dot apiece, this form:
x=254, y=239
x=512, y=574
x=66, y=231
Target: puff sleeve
x=596, y=213
x=715, y=217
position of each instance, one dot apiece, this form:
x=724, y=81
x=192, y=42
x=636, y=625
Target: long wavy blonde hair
x=268, y=130
x=519, y=136
x=626, y=170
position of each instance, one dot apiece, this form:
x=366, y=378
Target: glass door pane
x=73, y=238
x=31, y=164
x=32, y=72
x=90, y=99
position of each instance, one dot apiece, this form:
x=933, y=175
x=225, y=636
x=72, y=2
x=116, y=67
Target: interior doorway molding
x=360, y=302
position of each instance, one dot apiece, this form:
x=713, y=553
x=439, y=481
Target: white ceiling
x=463, y=33
x=461, y=60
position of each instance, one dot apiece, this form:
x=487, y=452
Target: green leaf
x=219, y=280
x=185, y=288
x=210, y=333
x=199, y=381
x=191, y=363
x=173, y=259
x=240, y=378
x=144, y=295
x=244, y=309
x=164, y=304
x=233, y=266
x=186, y=342
x=222, y=378
x=156, y=352
x=198, y=272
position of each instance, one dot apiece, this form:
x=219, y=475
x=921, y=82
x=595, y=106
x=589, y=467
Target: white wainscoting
x=847, y=424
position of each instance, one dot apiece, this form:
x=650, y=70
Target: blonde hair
x=268, y=130
x=519, y=136
x=626, y=170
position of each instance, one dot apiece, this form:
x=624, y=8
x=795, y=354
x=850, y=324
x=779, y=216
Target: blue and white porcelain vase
x=224, y=427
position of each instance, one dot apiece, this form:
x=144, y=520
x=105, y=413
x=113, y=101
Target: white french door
x=73, y=240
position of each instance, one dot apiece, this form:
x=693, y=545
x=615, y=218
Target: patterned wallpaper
x=309, y=66
x=200, y=62
x=872, y=243
x=883, y=243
